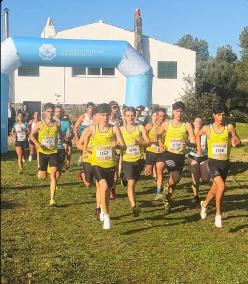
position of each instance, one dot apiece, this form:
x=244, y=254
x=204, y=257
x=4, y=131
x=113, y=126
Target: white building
x=38, y=85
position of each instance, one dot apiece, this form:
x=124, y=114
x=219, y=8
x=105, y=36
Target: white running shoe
x=101, y=215
x=52, y=202
x=203, y=211
x=30, y=158
x=218, y=222
x=106, y=222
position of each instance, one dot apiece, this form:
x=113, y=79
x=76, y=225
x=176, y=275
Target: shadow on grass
x=238, y=228
x=66, y=205
x=184, y=220
x=238, y=167
x=9, y=205
x=9, y=156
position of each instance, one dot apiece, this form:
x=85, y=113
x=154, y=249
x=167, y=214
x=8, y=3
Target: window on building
x=90, y=71
x=78, y=71
x=94, y=71
x=167, y=70
x=29, y=71
x=108, y=71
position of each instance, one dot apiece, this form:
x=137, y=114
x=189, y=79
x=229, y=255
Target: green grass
x=66, y=245
x=242, y=130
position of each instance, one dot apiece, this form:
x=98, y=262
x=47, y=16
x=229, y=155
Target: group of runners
x=120, y=144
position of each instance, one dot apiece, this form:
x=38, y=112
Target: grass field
x=242, y=130
x=65, y=244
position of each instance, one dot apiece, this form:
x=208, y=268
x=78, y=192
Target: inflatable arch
x=16, y=52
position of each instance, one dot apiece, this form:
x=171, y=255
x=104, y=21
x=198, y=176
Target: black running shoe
x=136, y=211
x=196, y=199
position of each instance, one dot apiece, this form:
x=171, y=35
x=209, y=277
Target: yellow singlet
x=218, y=145
x=175, y=138
x=153, y=135
x=133, y=152
x=48, y=137
x=103, y=154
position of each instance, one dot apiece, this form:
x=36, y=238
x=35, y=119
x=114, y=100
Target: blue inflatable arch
x=16, y=52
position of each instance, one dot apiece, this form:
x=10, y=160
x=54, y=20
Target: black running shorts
x=199, y=160
x=105, y=173
x=88, y=172
x=61, y=158
x=173, y=162
x=132, y=170
x=45, y=159
x=218, y=168
x=153, y=158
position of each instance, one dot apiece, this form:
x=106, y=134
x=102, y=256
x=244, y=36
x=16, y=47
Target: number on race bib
x=133, y=150
x=21, y=136
x=104, y=153
x=176, y=145
x=48, y=142
x=219, y=150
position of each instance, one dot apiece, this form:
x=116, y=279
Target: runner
x=68, y=143
x=82, y=123
x=219, y=134
x=105, y=139
x=198, y=165
x=176, y=135
x=31, y=125
x=154, y=156
x=46, y=145
x=61, y=145
x=135, y=138
x=115, y=120
x=19, y=132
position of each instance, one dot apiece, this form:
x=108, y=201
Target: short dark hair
x=161, y=109
x=58, y=106
x=178, y=105
x=49, y=105
x=130, y=108
x=90, y=104
x=219, y=108
x=104, y=108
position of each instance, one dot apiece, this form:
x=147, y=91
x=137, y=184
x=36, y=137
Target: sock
x=158, y=190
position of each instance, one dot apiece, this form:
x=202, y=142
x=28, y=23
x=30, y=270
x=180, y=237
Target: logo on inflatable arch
x=47, y=51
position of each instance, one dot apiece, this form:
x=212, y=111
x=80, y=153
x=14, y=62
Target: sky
x=219, y=22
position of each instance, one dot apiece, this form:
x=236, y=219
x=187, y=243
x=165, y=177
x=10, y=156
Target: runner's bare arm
x=203, y=131
x=80, y=142
x=145, y=139
x=235, y=140
x=190, y=131
x=36, y=129
x=119, y=139
x=87, y=134
x=77, y=123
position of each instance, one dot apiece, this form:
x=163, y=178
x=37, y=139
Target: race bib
x=104, y=153
x=48, y=142
x=21, y=136
x=155, y=147
x=133, y=150
x=219, y=150
x=176, y=145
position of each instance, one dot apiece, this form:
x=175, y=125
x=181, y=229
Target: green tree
x=243, y=40
x=198, y=45
x=226, y=54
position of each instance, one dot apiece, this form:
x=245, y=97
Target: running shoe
x=30, y=158
x=101, y=214
x=218, y=222
x=106, y=222
x=97, y=214
x=112, y=194
x=203, y=211
x=158, y=197
x=136, y=211
x=52, y=202
x=166, y=202
x=123, y=180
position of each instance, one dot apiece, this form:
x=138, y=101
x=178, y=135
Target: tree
x=243, y=39
x=198, y=45
x=226, y=54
